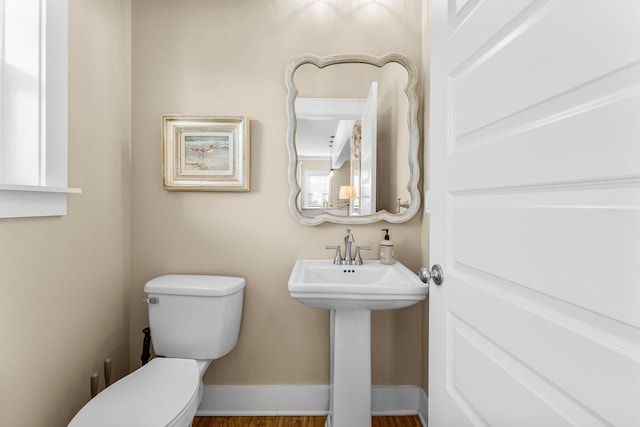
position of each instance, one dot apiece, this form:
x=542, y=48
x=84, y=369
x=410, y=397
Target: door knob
x=435, y=274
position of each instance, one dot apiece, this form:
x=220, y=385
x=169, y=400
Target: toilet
x=194, y=319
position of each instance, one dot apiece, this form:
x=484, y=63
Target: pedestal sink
x=351, y=292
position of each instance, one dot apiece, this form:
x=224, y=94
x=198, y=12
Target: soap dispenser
x=386, y=248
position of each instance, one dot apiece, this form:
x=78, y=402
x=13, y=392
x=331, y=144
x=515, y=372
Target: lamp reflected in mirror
x=348, y=193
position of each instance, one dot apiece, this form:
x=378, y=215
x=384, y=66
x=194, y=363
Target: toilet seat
x=164, y=392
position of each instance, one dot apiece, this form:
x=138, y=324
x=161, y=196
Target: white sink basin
x=372, y=286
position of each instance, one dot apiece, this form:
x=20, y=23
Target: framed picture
x=205, y=153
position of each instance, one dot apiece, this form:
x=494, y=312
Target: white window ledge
x=33, y=200
x=39, y=189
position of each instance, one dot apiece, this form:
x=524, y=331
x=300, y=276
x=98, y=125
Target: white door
x=535, y=213
x=368, y=150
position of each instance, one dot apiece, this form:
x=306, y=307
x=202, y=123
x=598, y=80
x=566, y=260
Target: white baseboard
x=423, y=412
x=304, y=400
x=264, y=400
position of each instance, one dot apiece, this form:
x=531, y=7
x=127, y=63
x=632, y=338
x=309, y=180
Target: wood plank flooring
x=296, y=421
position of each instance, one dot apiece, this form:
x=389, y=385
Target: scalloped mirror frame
x=414, y=137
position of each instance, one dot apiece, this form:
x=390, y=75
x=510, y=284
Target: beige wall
x=65, y=280
x=223, y=57
x=67, y=296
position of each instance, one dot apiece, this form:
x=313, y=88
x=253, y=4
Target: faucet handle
x=337, y=259
x=358, y=258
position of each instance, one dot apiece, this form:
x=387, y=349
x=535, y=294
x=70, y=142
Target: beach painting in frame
x=205, y=153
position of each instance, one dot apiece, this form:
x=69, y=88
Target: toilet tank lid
x=194, y=284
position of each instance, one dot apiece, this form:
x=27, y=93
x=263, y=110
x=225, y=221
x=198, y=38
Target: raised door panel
x=535, y=183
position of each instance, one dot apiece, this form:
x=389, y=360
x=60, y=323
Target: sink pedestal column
x=350, y=399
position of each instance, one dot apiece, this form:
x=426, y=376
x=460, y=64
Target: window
x=33, y=108
x=317, y=188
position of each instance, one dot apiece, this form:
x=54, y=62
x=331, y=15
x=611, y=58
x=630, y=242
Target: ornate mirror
x=353, y=139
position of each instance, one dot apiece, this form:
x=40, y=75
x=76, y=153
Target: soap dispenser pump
x=386, y=248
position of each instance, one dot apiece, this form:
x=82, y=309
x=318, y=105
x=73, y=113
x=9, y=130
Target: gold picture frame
x=205, y=153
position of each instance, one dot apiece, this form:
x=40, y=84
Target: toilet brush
x=107, y=372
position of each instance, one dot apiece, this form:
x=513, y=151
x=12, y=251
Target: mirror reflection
x=355, y=149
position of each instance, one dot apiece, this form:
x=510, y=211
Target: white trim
x=18, y=201
x=395, y=400
x=48, y=198
x=423, y=412
x=39, y=189
x=264, y=400
x=231, y=400
x=17, y=204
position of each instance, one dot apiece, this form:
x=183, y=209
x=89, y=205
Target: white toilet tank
x=194, y=316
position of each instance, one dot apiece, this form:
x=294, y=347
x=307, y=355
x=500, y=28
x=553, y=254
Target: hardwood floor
x=395, y=421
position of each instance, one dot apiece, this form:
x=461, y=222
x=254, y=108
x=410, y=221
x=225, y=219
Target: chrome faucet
x=347, y=260
x=348, y=240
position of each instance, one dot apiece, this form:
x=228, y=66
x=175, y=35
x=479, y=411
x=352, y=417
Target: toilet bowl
x=164, y=392
x=194, y=319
